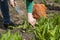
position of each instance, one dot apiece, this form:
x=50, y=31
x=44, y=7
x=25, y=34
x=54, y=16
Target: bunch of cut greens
x=48, y=28
x=45, y=29
x=11, y=36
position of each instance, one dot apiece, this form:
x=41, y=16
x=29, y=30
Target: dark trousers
x=5, y=10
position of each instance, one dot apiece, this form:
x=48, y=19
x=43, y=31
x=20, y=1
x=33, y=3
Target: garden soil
x=14, y=16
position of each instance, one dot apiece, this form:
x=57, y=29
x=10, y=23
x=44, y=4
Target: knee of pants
x=2, y=0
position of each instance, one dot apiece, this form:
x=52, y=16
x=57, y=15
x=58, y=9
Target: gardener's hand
x=12, y=3
x=31, y=20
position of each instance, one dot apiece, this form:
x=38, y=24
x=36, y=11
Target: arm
x=29, y=7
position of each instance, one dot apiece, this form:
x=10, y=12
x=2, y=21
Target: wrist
x=30, y=15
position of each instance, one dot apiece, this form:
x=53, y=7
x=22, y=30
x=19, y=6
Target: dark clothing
x=5, y=10
x=29, y=0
